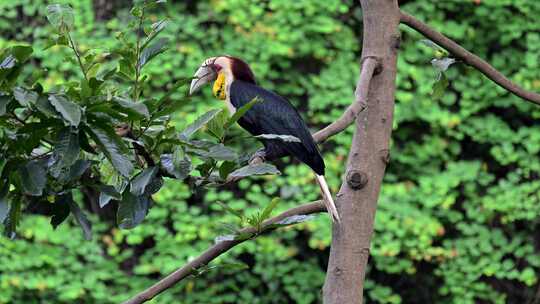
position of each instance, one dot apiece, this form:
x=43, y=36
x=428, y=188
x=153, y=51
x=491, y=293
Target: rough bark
x=369, y=154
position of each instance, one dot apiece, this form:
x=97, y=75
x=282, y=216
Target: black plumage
x=275, y=115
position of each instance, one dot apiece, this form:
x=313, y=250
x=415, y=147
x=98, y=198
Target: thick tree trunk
x=369, y=154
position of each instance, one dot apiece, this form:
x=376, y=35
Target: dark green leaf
x=111, y=145
x=285, y=138
x=180, y=171
x=220, y=152
x=4, y=100
x=257, y=169
x=70, y=111
x=12, y=220
x=44, y=106
x=132, y=210
x=141, y=181
x=33, y=178
x=199, y=123
x=107, y=193
x=226, y=168
x=4, y=203
x=152, y=50
x=81, y=219
x=25, y=97
x=77, y=170
x=156, y=29
x=60, y=16
x=240, y=112
x=67, y=148
x=21, y=52
x=132, y=109
x=60, y=209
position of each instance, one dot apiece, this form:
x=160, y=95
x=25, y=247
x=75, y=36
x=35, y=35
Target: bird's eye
x=217, y=67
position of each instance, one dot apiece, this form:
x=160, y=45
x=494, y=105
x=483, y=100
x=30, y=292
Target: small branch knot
x=357, y=179
x=384, y=154
x=378, y=68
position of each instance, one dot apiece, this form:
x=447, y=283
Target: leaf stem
x=77, y=54
x=138, y=56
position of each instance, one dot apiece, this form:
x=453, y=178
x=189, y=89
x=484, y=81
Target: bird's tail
x=327, y=198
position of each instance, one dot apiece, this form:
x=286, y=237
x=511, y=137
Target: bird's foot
x=257, y=157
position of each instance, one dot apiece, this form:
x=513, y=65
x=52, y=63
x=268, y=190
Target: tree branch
x=370, y=65
x=220, y=248
x=469, y=58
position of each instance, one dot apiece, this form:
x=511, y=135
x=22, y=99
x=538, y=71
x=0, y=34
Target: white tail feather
x=327, y=198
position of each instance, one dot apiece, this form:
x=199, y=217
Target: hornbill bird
x=235, y=84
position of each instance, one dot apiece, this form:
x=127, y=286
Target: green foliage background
x=458, y=215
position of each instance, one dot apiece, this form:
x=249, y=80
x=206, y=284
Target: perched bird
x=235, y=84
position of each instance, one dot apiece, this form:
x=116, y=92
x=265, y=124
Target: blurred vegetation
x=458, y=214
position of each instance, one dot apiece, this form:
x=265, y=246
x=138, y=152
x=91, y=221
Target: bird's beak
x=204, y=74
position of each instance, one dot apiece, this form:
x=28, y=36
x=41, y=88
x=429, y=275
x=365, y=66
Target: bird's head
x=222, y=70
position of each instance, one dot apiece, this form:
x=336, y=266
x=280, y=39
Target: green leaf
x=44, y=106
x=132, y=210
x=431, y=44
x=257, y=169
x=220, y=152
x=76, y=170
x=12, y=220
x=226, y=168
x=152, y=51
x=60, y=16
x=112, y=147
x=67, y=148
x=141, y=181
x=21, y=52
x=4, y=100
x=178, y=84
x=81, y=219
x=70, y=111
x=199, y=123
x=269, y=208
x=33, y=178
x=132, y=109
x=4, y=203
x=232, y=211
x=285, y=138
x=25, y=97
x=439, y=86
x=215, y=126
x=106, y=194
x=240, y=112
x=60, y=209
x=180, y=170
x=156, y=29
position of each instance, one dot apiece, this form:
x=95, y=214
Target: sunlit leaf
x=269, y=208
x=285, y=138
x=256, y=169
x=241, y=111
x=200, y=122
x=60, y=16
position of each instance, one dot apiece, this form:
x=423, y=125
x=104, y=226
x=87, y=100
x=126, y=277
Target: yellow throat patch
x=219, y=87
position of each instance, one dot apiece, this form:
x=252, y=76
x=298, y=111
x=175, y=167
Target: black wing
x=275, y=115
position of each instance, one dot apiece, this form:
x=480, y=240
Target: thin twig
x=218, y=249
x=469, y=58
x=369, y=66
x=138, y=55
